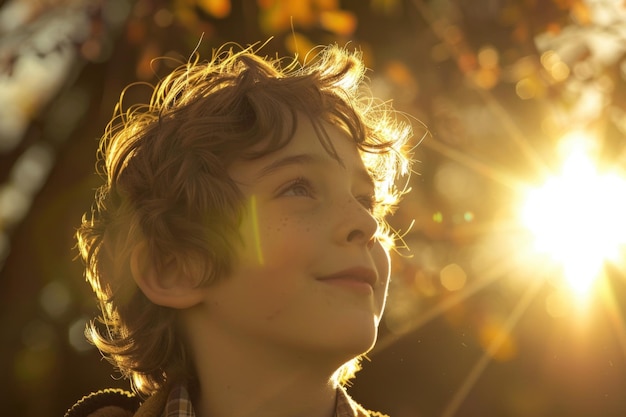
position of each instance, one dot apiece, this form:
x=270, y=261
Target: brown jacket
x=119, y=403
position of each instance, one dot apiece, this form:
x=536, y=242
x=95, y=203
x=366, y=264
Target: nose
x=358, y=225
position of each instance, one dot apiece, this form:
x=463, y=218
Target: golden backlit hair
x=166, y=183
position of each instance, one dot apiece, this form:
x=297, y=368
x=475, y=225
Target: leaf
x=581, y=13
x=399, y=74
x=219, y=9
x=340, y=22
x=299, y=45
x=280, y=15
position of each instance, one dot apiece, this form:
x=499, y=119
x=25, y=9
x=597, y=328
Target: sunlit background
x=510, y=300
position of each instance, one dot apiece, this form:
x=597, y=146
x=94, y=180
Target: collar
x=179, y=404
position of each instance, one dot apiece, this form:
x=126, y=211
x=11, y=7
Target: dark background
x=498, y=83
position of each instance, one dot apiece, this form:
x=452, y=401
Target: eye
x=368, y=201
x=300, y=187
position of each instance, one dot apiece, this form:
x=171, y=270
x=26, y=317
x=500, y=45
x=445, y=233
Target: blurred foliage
x=497, y=83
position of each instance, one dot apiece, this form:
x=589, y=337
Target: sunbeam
x=480, y=366
x=613, y=312
x=495, y=273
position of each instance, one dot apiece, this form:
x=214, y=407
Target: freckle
x=272, y=315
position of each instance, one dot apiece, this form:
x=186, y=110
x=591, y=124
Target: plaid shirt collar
x=179, y=405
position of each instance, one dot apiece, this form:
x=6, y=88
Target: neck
x=246, y=379
x=234, y=387
x=276, y=396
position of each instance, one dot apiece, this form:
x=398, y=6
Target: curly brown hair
x=166, y=184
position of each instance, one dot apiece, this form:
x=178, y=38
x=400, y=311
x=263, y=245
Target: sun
x=578, y=217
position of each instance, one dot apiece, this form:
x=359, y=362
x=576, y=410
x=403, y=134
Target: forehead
x=320, y=136
x=312, y=142
x=297, y=129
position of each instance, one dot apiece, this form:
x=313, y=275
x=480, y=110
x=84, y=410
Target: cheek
x=287, y=239
x=266, y=234
x=383, y=265
x=382, y=262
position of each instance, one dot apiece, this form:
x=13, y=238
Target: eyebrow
x=308, y=159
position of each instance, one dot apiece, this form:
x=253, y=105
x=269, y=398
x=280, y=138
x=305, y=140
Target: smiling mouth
x=357, y=279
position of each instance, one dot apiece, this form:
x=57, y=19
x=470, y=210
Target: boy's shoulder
x=106, y=403
x=118, y=403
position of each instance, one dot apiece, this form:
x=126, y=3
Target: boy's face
x=310, y=276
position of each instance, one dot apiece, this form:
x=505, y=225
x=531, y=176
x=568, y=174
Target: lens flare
x=255, y=229
x=578, y=218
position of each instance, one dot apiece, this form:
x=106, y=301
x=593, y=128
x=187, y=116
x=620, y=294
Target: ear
x=169, y=285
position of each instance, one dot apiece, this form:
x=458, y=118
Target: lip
x=360, y=279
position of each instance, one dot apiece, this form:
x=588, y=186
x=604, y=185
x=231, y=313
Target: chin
x=356, y=340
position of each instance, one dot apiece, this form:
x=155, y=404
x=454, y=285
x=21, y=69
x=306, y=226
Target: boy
x=238, y=247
